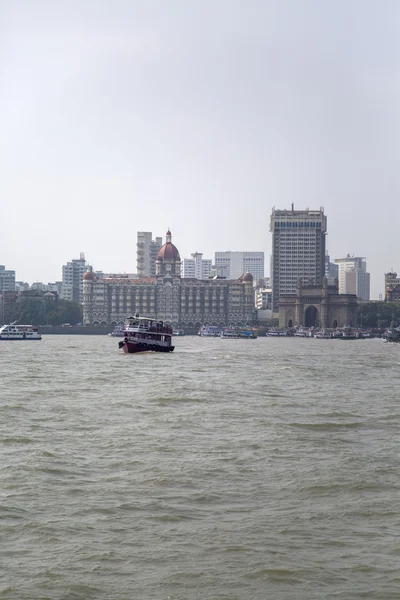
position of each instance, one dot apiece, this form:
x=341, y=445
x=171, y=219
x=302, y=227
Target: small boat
x=392, y=335
x=19, y=332
x=179, y=332
x=323, y=335
x=346, y=334
x=210, y=331
x=276, y=333
x=143, y=334
x=237, y=333
x=118, y=331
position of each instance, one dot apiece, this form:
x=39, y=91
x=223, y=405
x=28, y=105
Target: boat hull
x=134, y=347
x=20, y=339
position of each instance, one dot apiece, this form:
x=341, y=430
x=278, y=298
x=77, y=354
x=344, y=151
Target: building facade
x=331, y=270
x=147, y=250
x=392, y=287
x=353, y=276
x=183, y=302
x=7, y=280
x=234, y=264
x=315, y=306
x=72, y=275
x=298, y=249
x=196, y=267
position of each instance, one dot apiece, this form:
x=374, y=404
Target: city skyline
x=202, y=117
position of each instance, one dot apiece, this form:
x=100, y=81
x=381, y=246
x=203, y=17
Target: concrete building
x=298, y=249
x=315, y=306
x=264, y=299
x=197, y=266
x=72, y=275
x=147, y=250
x=7, y=280
x=22, y=286
x=353, y=276
x=392, y=287
x=234, y=264
x=331, y=270
x=184, y=302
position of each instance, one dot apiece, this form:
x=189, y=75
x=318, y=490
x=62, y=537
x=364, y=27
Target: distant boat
x=276, y=333
x=209, y=331
x=118, y=331
x=14, y=332
x=238, y=334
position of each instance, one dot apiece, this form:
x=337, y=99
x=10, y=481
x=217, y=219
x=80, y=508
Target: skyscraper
x=298, y=249
x=234, y=264
x=196, y=267
x=353, y=276
x=147, y=250
x=7, y=280
x=72, y=275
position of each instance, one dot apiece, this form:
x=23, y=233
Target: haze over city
x=200, y=117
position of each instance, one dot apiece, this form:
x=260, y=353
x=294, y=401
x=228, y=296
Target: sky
x=200, y=116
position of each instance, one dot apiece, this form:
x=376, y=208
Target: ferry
x=19, y=332
x=236, y=333
x=143, y=334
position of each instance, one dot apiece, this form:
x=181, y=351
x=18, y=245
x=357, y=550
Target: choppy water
x=227, y=470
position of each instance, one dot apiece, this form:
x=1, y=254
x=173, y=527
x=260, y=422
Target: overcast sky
x=198, y=115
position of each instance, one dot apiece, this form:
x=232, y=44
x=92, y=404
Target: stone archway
x=290, y=323
x=311, y=317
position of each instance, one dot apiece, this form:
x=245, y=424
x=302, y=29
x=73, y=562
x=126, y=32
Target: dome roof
x=168, y=251
x=88, y=276
x=247, y=277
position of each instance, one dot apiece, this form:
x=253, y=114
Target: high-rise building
x=147, y=250
x=72, y=275
x=196, y=267
x=353, y=276
x=7, y=280
x=298, y=250
x=331, y=270
x=232, y=265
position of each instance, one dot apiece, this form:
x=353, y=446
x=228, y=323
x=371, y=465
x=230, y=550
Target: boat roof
x=137, y=318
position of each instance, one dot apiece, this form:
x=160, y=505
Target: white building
x=7, y=280
x=264, y=299
x=22, y=286
x=298, y=249
x=196, y=267
x=147, y=250
x=353, y=276
x=72, y=275
x=234, y=264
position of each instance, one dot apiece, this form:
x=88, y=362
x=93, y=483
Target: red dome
x=168, y=252
x=88, y=276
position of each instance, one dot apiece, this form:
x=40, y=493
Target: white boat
x=19, y=332
x=118, y=331
x=323, y=335
x=236, y=333
x=210, y=331
x=276, y=333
